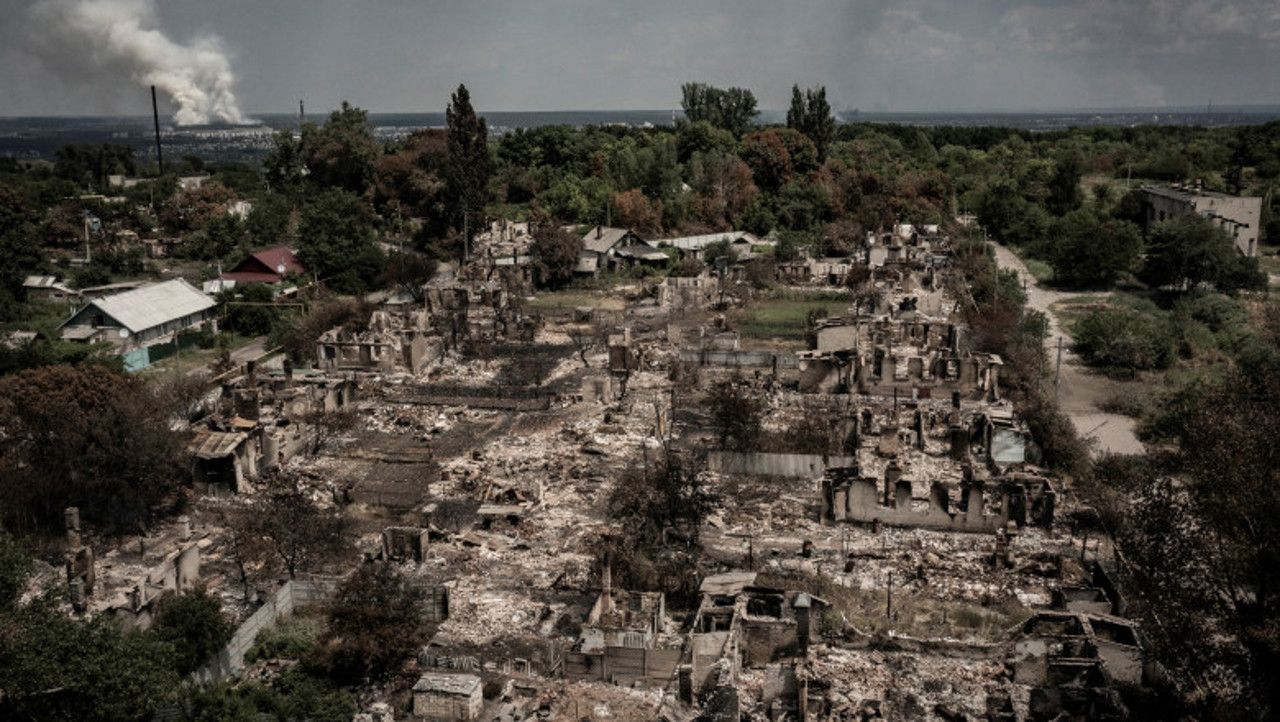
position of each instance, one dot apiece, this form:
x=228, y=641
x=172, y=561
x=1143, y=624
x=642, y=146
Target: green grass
x=194, y=357
x=1069, y=311
x=560, y=300
x=37, y=316
x=1268, y=260
x=914, y=615
x=1038, y=269
x=779, y=318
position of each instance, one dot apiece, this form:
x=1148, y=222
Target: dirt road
x=1080, y=392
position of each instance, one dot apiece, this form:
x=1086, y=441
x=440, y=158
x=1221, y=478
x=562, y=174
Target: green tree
x=193, y=624
x=284, y=165
x=294, y=528
x=666, y=494
x=375, y=624
x=1191, y=250
x=466, y=174
x=15, y=567
x=248, y=309
x=336, y=242
x=87, y=437
x=271, y=220
x=811, y=114
x=1198, y=531
x=702, y=137
x=556, y=252
x=20, y=253
x=340, y=154
x=717, y=250
x=91, y=164
x=1064, y=186
x=1089, y=251
x=737, y=411
x=733, y=109
x=1121, y=338
x=221, y=236
x=55, y=667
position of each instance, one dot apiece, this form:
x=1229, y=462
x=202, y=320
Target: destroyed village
x=719, y=420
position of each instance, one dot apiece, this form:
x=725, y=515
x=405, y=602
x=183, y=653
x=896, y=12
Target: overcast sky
x=913, y=55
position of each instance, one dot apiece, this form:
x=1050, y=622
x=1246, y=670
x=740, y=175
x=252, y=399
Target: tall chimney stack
x=606, y=583
x=155, y=115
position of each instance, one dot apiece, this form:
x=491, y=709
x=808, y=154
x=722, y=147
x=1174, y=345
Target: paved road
x=1079, y=390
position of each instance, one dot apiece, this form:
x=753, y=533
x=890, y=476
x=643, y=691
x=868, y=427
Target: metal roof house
x=47, y=288
x=269, y=266
x=600, y=247
x=740, y=242
x=136, y=320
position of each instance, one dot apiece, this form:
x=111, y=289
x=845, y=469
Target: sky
x=59, y=57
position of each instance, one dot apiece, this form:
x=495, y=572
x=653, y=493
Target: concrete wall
x=623, y=665
x=739, y=359
x=796, y=466
x=863, y=501
x=762, y=640
x=293, y=594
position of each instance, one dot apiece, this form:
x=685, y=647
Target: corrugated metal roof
x=600, y=240
x=274, y=258
x=459, y=684
x=645, y=253
x=697, y=243
x=727, y=583
x=215, y=444
x=154, y=305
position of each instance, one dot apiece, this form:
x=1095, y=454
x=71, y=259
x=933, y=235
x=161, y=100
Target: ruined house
x=740, y=625
x=389, y=343
x=983, y=506
x=1074, y=661
x=477, y=311
x=917, y=357
x=262, y=421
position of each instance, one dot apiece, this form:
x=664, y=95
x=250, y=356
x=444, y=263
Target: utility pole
x=888, y=602
x=1057, y=372
x=155, y=114
x=466, y=238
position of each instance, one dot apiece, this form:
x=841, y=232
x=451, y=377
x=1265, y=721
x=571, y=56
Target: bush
x=291, y=638
x=194, y=624
x=1124, y=339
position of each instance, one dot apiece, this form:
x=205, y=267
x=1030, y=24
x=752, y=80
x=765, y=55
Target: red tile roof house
x=269, y=266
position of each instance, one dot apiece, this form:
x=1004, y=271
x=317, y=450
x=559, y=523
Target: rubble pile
x=886, y=570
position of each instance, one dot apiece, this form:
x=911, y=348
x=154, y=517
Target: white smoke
x=123, y=35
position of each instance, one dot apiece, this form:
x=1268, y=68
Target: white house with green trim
x=138, y=320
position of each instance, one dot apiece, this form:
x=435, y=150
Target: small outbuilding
x=447, y=697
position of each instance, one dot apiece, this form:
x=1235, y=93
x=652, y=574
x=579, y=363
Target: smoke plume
x=123, y=35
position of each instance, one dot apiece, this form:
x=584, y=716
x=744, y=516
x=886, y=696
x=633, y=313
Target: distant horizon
x=1119, y=110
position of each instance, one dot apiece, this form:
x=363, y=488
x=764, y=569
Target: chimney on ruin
x=606, y=583
x=71, y=515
